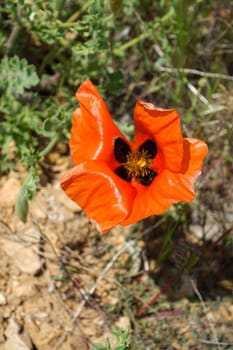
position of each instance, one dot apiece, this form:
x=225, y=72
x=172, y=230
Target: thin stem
x=169, y=284
x=47, y=58
x=49, y=146
x=209, y=320
x=109, y=265
x=207, y=251
x=77, y=14
x=68, y=24
x=195, y=72
x=146, y=34
x=12, y=37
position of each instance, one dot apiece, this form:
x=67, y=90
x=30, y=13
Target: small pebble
x=2, y=299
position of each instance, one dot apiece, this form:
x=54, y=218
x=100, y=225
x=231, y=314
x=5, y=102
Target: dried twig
x=195, y=72
x=150, y=228
x=211, y=326
x=208, y=342
x=6, y=227
x=195, y=92
x=213, y=245
x=90, y=292
x=163, y=290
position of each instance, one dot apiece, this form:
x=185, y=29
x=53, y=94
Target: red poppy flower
x=117, y=181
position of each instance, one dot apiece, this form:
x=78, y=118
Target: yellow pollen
x=138, y=163
x=141, y=163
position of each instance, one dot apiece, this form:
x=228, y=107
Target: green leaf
x=16, y=75
x=121, y=339
x=21, y=205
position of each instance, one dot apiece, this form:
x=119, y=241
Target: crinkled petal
x=93, y=131
x=105, y=197
x=169, y=188
x=165, y=190
x=163, y=126
x=194, y=154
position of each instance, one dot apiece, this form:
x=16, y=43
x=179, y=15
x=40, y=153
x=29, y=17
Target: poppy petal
x=194, y=154
x=169, y=188
x=93, y=131
x=163, y=126
x=105, y=197
x=165, y=190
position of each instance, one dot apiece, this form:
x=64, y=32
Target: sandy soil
x=63, y=285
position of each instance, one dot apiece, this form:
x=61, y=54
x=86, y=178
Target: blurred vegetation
x=49, y=47
x=122, y=341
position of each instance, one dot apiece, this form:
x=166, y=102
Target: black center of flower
x=137, y=164
x=121, y=150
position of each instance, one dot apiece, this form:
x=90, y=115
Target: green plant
x=121, y=341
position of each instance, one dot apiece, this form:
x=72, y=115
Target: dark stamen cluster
x=137, y=164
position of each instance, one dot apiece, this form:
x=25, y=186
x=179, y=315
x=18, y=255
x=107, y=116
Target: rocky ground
x=63, y=285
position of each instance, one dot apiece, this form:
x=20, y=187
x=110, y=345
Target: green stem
x=67, y=24
x=143, y=36
x=71, y=21
x=77, y=14
x=49, y=146
x=13, y=35
x=48, y=58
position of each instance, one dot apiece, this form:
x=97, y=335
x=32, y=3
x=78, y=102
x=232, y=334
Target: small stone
x=53, y=157
x=23, y=286
x=12, y=328
x=7, y=311
x=38, y=210
x=74, y=343
x=42, y=330
x=123, y=322
x=17, y=342
x=2, y=299
x=197, y=230
x=24, y=257
x=8, y=192
x=2, y=338
x=186, y=288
